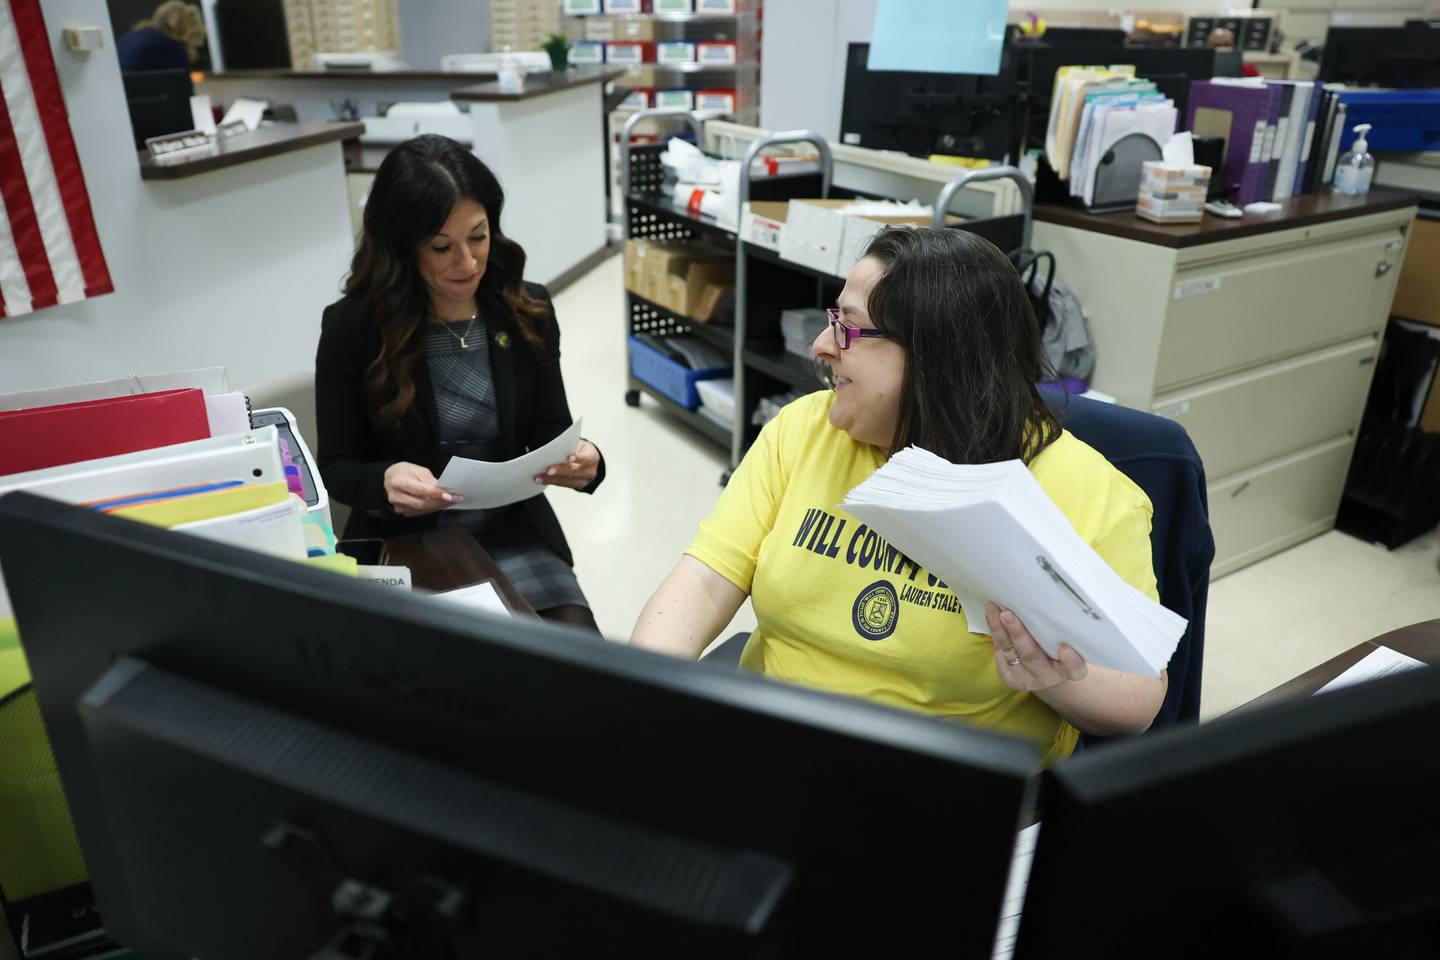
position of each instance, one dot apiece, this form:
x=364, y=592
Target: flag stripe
x=39, y=174
x=70, y=178
x=14, y=291
x=15, y=190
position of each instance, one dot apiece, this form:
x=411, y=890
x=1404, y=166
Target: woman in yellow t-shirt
x=934, y=345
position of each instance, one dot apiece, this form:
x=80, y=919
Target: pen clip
x=1085, y=608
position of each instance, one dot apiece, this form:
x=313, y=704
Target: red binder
x=70, y=432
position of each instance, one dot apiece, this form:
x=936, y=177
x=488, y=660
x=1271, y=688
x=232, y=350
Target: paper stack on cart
x=990, y=532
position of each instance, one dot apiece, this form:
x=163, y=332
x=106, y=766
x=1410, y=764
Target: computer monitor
x=1307, y=829
x=264, y=758
x=956, y=114
x=1084, y=37
x=1401, y=57
x=159, y=102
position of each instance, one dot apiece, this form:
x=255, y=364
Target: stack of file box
x=1171, y=193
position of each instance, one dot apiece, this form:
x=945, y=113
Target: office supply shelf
x=690, y=418
x=651, y=217
x=770, y=256
x=772, y=359
x=722, y=338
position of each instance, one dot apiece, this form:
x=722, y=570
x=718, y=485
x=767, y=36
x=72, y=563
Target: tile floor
x=1266, y=623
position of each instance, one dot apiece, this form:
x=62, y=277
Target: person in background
x=439, y=349
x=171, y=39
x=935, y=345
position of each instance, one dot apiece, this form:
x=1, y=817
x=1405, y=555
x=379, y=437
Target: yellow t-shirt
x=840, y=609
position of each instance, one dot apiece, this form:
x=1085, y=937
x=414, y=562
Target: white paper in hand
x=485, y=485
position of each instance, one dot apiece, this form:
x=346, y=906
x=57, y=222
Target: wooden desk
x=1421, y=641
x=448, y=559
x=268, y=141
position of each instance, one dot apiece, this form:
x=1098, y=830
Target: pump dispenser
x=1356, y=168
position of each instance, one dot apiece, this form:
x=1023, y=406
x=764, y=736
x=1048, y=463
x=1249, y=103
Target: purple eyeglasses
x=846, y=335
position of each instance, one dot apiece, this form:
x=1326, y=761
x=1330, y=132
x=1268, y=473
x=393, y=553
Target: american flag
x=49, y=249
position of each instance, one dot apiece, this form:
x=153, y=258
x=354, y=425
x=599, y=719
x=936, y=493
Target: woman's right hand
x=413, y=491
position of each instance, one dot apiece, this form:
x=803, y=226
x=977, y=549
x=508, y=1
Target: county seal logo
x=876, y=611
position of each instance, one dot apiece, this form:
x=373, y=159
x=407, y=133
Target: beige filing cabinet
x=1258, y=335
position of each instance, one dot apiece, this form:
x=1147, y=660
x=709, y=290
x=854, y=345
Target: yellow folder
x=206, y=506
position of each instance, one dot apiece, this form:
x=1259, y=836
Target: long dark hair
x=973, y=353
x=415, y=189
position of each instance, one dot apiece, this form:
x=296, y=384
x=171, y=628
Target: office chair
x=1157, y=455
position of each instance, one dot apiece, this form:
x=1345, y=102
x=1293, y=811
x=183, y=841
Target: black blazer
x=355, y=451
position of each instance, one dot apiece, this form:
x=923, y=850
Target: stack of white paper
x=992, y=533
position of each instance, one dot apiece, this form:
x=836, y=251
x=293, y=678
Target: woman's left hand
x=577, y=471
x=1020, y=661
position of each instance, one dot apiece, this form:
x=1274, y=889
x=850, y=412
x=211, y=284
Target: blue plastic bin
x=675, y=380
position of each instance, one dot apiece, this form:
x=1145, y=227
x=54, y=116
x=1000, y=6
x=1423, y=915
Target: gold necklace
x=460, y=337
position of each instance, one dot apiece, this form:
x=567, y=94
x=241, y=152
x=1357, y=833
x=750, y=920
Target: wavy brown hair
x=973, y=350
x=416, y=187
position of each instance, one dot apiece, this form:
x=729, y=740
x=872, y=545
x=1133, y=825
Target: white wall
x=229, y=268
x=429, y=29
x=802, y=66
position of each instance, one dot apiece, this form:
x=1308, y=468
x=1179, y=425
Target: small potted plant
x=558, y=46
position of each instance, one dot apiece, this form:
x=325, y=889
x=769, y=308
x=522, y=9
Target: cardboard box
x=819, y=235
x=699, y=291
x=599, y=28
x=634, y=28
x=1417, y=294
x=764, y=222
x=641, y=75
x=687, y=279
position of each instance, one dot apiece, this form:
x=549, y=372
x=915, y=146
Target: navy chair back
x=1158, y=456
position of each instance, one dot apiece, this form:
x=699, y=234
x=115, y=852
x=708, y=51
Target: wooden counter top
x=538, y=84
x=1296, y=212
x=268, y=141
x=398, y=76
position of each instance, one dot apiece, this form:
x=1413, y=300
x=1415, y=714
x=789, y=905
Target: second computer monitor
x=1304, y=830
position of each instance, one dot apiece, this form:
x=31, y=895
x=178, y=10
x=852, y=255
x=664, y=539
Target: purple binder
x=1240, y=114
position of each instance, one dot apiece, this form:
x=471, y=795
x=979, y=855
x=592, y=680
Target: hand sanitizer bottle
x=510, y=78
x=1356, y=168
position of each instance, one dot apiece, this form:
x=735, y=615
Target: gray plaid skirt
x=538, y=573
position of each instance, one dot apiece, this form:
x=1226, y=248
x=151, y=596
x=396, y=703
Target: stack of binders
x=992, y=533
x=1269, y=129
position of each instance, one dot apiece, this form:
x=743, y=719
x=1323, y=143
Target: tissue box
x=1172, y=193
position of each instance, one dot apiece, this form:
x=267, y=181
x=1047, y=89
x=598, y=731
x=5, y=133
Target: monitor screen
x=956, y=114
x=264, y=758
x=1401, y=57
x=1307, y=829
x=159, y=102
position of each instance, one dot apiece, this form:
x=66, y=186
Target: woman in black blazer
x=438, y=349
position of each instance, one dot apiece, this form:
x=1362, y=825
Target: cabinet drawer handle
x=1382, y=268
x=1239, y=490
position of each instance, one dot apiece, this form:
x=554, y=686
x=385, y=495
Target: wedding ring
x=1015, y=662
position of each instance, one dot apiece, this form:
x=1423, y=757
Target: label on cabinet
x=1195, y=288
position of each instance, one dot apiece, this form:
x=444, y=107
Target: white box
x=580, y=8
x=638, y=100
x=624, y=6
x=718, y=396
x=721, y=100
x=674, y=6
x=675, y=51
x=583, y=52
x=714, y=6
x=716, y=52
x=763, y=223
x=684, y=99
x=819, y=235
x=625, y=52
